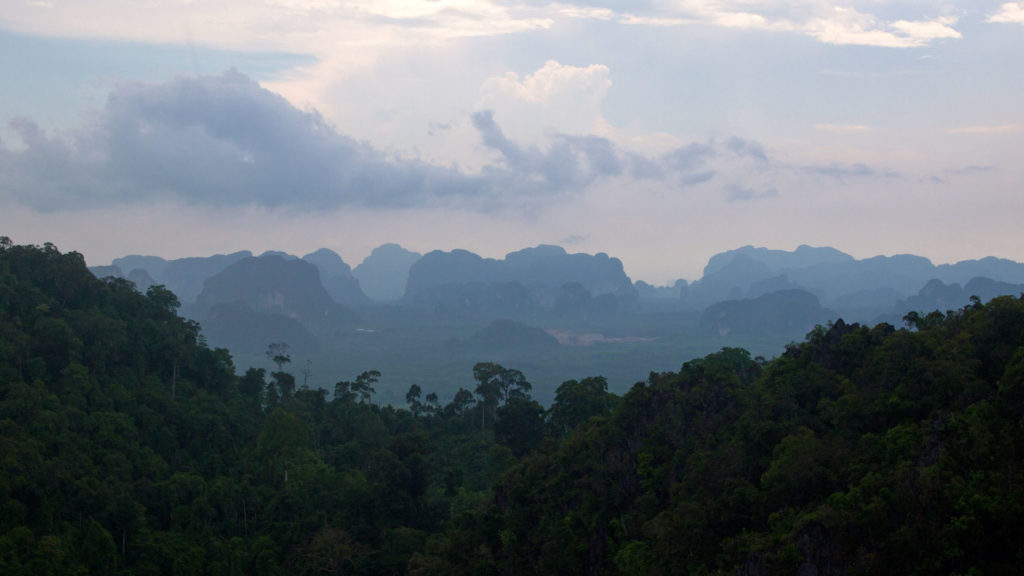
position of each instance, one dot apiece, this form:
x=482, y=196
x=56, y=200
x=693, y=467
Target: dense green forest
x=129, y=446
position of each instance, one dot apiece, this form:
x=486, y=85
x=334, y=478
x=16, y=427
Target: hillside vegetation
x=129, y=446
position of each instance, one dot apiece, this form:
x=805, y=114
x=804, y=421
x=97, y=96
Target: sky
x=658, y=132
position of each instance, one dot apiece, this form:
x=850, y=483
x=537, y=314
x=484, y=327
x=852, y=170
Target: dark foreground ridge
x=128, y=446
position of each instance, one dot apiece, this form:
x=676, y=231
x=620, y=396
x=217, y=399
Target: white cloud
x=586, y=12
x=847, y=26
x=825, y=21
x=329, y=28
x=1009, y=13
x=556, y=98
x=741, y=20
x=843, y=128
x=925, y=31
x=319, y=27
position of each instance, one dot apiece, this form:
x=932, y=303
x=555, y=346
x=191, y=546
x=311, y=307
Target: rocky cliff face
x=274, y=285
x=337, y=278
x=526, y=283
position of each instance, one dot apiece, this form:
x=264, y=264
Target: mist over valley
x=427, y=319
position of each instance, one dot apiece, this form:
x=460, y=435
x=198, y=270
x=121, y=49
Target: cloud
x=574, y=239
x=586, y=12
x=843, y=128
x=746, y=148
x=925, y=31
x=690, y=157
x=845, y=171
x=355, y=33
x=218, y=141
x=1008, y=13
x=224, y=142
x=632, y=19
x=736, y=193
x=847, y=26
x=992, y=129
x=740, y=20
x=973, y=169
x=316, y=27
x=555, y=98
x=570, y=163
x=828, y=22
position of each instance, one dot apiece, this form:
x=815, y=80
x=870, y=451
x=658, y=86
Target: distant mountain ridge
x=546, y=284
x=544, y=265
x=533, y=283
x=838, y=279
x=857, y=289
x=802, y=257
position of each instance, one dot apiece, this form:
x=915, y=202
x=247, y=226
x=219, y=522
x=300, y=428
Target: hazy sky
x=660, y=132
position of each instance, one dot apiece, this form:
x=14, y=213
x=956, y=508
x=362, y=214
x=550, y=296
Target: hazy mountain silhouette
x=382, y=274
x=750, y=297
x=646, y=291
x=184, y=276
x=524, y=284
x=548, y=266
x=141, y=279
x=274, y=285
x=1000, y=269
x=154, y=265
x=509, y=336
x=477, y=300
x=787, y=313
x=937, y=295
x=858, y=290
x=803, y=257
x=236, y=326
x=337, y=279
x=987, y=288
x=440, y=268
x=457, y=308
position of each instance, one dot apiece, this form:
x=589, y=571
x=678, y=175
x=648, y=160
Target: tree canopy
x=128, y=446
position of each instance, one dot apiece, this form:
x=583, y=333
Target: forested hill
x=127, y=446
x=861, y=451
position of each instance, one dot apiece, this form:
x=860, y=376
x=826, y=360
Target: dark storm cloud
x=214, y=140
x=573, y=162
x=225, y=141
x=569, y=163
